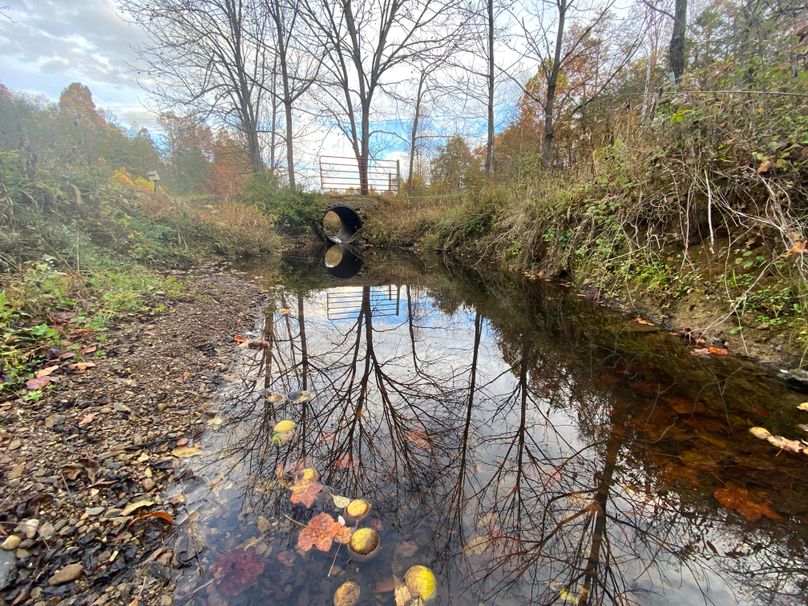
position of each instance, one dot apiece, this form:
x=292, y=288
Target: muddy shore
x=81, y=469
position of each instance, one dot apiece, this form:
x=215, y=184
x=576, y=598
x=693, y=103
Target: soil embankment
x=82, y=466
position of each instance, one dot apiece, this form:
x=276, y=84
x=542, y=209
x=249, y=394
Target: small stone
x=46, y=531
x=15, y=444
x=28, y=528
x=23, y=553
x=182, y=442
x=16, y=471
x=166, y=600
x=11, y=543
x=69, y=573
x=94, y=511
x=118, y=407
x=148, y=484
x=161, y=406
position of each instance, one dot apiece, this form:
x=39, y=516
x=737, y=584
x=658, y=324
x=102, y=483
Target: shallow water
x=527, y=446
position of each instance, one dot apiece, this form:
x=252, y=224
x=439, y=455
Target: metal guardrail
x=341, y=174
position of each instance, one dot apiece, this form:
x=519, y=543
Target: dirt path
x=80, y=468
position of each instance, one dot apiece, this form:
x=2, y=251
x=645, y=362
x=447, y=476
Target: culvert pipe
x=350, y=223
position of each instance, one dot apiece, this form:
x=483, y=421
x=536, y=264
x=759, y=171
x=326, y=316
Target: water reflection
x=342, y=261
x=527, y=457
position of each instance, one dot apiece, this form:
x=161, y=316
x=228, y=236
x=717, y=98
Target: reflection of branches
x=529, y=476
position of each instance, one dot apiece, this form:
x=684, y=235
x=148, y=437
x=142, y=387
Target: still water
x=527, y=446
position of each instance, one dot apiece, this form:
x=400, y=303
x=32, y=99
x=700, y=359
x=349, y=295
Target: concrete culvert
x=341, y=224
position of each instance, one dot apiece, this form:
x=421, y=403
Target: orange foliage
x=231, y=166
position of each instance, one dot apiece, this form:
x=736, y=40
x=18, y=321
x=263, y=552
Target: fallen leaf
x=87, y=419
x=46, y=371
x=158, y=515
x=305, y=492
x=184, y=452
x=215, y=422
x=344, y=462
x=37, y=383
x=419, y=438
x=87, y=350
x=340, y=502
x=283, y=311
x=741, y=500
x=717, y=351
x=258, y=344
x=287, y=558
x=803, y=406
x=643, y=321
x=798, y=248
x=239, y=339
x=764, y=166
x=760, y=432
x=82, y=366
x=402, y=595
x=786, y=444
x=135, y=506
x=62, y=317
x=321, y=531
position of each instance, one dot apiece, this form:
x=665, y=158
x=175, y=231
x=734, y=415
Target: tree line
x=275, y=70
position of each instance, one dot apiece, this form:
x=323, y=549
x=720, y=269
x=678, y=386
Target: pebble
x=47, y=530
x=15, y=444
x=118, y=407
x=69, y=573
x=94, y=511
x=28, y=528
x=11, y=543
x=148, y=484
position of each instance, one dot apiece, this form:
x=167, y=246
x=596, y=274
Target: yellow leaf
x=186, y=451
x=135, y=506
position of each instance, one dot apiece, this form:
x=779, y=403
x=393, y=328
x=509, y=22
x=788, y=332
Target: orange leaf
x=741, y=500
x=764, y=166
x=46, y=371
x=87, y=419
x=37, y=383
x=82, y=366
x=159, y=515
x=643, y=321
x=717, y=351
x=305, y=492
x=239, y=339
x=321, y=532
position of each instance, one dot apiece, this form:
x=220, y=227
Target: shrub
x=295, y=211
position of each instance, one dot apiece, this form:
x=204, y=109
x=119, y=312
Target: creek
x=526, y=445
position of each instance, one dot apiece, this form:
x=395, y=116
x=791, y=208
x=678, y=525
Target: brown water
x=527, y=446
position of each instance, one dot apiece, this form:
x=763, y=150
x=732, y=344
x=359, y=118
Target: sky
x=47, y=44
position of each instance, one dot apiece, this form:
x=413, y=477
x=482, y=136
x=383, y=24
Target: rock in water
x=11, y=543
x=64, y=575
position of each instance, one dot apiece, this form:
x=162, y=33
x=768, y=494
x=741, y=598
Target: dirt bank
x=81, y=466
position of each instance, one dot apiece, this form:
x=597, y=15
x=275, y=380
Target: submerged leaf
x=183, y=452
x=340, y=502
x=299, y=397
x=321, y=531
x=761, y=433
x=305, y=492
x=347, y=594
x=742, y=501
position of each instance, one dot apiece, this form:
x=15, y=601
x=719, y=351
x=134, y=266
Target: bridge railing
x=340, y=174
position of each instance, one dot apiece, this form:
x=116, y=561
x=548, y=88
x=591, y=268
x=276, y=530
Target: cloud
x=47, y=44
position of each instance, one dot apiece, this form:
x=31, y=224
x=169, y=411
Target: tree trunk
x=290, y=152
x=676, y=52
x=414, y=132
x=552, y=83
x=364, y=153
x=489, y=145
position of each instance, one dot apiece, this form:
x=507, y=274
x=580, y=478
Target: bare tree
x=558, y=43
x=364, y=42
x=201, y=56
x=297, y=69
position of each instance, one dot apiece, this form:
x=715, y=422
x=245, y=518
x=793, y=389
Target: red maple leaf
x=305, y=492
x=321, y=532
